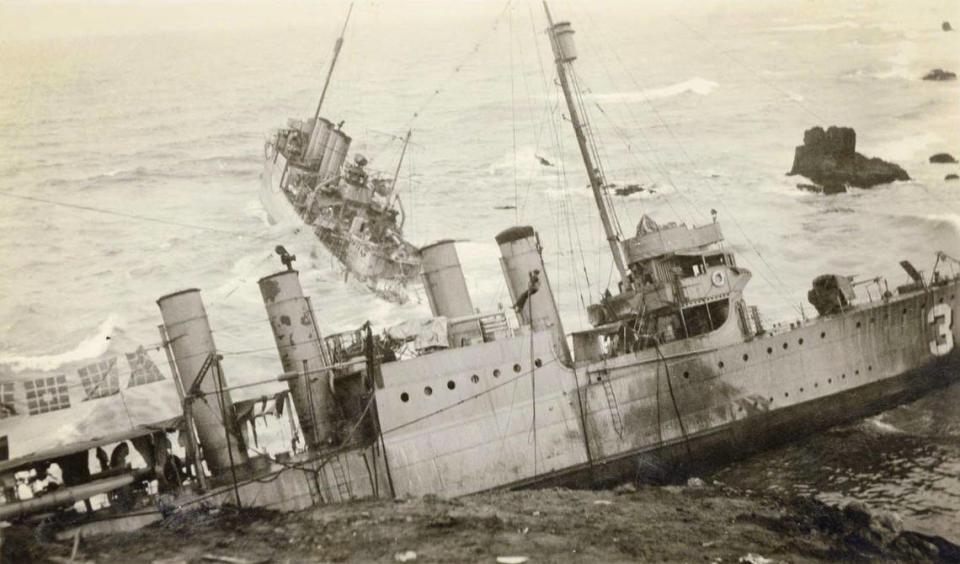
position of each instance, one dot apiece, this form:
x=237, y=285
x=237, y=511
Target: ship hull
x=488, y=423
x=360, y=259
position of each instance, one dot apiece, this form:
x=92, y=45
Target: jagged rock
x=940, y=74
x=951, y=177
x=828, y=189
x=829, y=158
x=946, y=26
x=943, y=158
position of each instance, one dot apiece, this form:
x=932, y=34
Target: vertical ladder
x=340, y=477
x=612, y=403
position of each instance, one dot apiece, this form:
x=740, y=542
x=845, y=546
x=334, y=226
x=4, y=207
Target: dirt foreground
x=693, y=523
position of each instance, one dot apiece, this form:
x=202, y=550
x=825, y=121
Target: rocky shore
x=693, y=523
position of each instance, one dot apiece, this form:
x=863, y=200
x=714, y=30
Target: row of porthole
x=451, y=385
x=816, y=385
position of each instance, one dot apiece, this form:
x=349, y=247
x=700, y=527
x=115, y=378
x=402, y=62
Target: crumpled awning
x=22, y=462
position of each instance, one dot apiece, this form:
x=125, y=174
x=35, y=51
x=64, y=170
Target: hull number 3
x=941, y=317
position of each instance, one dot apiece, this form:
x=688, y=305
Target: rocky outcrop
x=946, y=26
x=829, y=158
x=951, y=177
x=940, y=74
x=943, y=158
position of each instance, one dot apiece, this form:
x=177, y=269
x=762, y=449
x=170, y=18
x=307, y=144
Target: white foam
x=696, y=85
x=92, y=347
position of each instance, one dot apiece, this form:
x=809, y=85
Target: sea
x=132, y=138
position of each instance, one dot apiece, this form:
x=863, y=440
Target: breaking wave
x=91, y=347
x=696, y=85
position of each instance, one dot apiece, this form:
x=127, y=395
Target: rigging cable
x=120, y=214
x=781, y=289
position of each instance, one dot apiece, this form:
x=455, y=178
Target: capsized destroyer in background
x=355, y=213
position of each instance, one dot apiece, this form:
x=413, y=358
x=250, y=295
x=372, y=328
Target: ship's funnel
x=318, y=141
x=301, y=349
x=529, y=285
x=191, y=342
x=338, y=144
x=443, y=280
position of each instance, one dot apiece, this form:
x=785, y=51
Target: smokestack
x=191, y=341
x=300, y=344
x=520, y=252
x=443, y=280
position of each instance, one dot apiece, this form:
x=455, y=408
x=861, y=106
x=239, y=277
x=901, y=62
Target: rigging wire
x=782, y=288
x=137, y=217
x=456, y=69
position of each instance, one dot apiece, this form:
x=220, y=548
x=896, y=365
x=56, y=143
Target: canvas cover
x=48, y=411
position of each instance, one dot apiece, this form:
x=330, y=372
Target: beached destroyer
x=355, y=213
x=676, y=368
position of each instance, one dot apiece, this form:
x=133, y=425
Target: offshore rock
x=940, y=74
x=946, y=26
x=943, y=158
x=951, y=177
x=829, y=158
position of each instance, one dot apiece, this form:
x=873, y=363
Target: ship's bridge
x=654, y=241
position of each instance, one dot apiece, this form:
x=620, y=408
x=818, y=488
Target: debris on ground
x=707, y=523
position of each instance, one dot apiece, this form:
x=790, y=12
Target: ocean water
x=156, y=112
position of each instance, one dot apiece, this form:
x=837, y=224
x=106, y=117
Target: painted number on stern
x=941, y=316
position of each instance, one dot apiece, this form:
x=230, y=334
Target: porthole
x=829, y=380
x=686, y=375
x=538, y=363
x=771, y=399
x=856, y=372
x=869, y=367
x=475, y=379
x=858, y=324
x=872, y=320
x=815, y=385
x=941, y=299
x=404, y=397
x=904, y=312
x=800, y=342
x=786, y=394
x=746, y=357
x=428, y=391
x=451, y=385
x=496, y=373
x=769, y=350
x=720, y=364
x=801, y=390
x=843, y=376
x=823, y=334
x=785, y=346
x=516, y=368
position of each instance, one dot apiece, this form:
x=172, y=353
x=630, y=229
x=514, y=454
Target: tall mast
x=563, y=57
x=333, y=63
x=396, y=173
